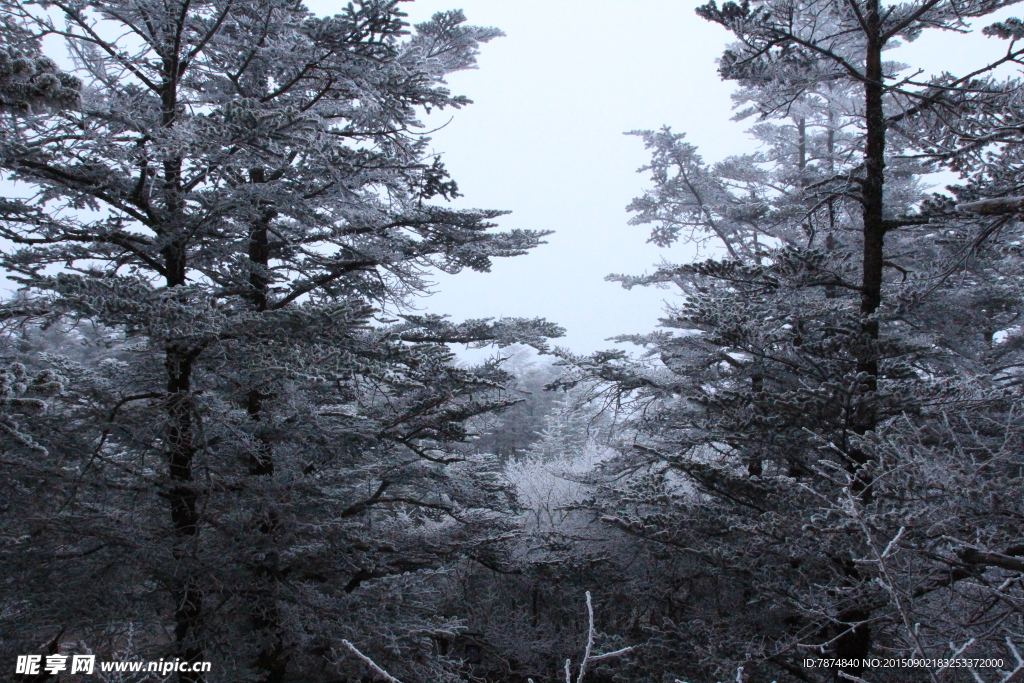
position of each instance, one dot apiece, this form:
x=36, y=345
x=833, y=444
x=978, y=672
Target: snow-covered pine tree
x=268, y=465
x=28, y=80
x=823, y=435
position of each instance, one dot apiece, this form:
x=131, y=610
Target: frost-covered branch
x=370, y=663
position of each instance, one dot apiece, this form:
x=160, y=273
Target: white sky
x=544, y=138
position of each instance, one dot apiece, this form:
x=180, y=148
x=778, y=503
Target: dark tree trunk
x=259, y=249
x=272, y=659
x=801, y=150
x=183, y=499
x=863, y=418
x=181, y=415
x=873, y=188
x=855, y=643
x=261, y=461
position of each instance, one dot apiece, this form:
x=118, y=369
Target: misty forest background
x=229, y=436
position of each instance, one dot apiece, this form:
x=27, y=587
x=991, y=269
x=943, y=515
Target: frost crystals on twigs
x=370, y=663
x=587, y=657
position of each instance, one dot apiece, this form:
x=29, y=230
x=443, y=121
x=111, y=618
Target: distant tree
x=269, y=465
x=821, y=434
x=525, y=617
x=510, y=433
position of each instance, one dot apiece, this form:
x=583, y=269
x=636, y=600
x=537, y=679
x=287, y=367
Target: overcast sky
x=544, y=139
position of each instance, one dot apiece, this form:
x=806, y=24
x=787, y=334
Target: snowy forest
x=230, y=434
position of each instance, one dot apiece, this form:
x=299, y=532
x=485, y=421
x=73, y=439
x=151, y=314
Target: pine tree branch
x=973, y=556
x=996, y=206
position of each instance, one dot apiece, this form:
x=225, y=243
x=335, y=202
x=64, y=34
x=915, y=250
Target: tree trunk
x=272, y=659
x=183, y=498
x=181, y=416
x=259, y=248
x=873, y=186
x=855, y=643
x=863, y=418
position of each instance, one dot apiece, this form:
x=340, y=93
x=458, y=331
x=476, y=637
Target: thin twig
x=370, y=663
x=590, y=639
